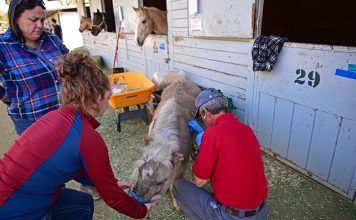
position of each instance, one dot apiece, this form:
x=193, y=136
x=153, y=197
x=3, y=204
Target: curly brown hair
x=83, y=81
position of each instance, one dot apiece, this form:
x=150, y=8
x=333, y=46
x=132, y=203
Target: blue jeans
x=21, y=124
x=197, y=203
x=71, y=204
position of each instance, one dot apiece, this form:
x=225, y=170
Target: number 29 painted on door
x=313, y=78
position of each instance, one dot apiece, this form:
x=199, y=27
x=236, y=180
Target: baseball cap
x=205, y=96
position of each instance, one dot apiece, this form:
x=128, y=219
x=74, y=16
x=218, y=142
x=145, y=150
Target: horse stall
x=302, y=111
x=104, y=43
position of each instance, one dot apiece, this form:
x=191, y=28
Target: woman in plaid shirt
x=29, y=84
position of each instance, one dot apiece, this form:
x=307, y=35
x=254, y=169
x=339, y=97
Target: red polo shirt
x=230, y=157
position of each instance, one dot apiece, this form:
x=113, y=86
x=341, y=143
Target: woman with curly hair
x=61, y=146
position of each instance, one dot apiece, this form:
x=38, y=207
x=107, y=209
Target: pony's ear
x=138, y=163
x=135, y=9
x=134, y=174
x=176, y=157
x=97, y=10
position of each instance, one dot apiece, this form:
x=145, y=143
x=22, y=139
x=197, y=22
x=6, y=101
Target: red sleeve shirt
x=96, y=158
x=53, y=150
x=230, y=157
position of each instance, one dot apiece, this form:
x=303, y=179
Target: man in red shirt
x=231, y=159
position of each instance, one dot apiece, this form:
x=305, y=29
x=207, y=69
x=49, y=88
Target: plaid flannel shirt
x=30, y=81
x=265, y=51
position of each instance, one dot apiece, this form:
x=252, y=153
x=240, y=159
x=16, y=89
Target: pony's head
x=155, y=171
x=99, y=23
x=144, y=25
x=85, y=24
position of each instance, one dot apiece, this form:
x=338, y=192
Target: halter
x=138, y=198
x=101, y=23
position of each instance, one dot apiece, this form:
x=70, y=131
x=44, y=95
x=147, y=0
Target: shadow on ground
x=291, y=195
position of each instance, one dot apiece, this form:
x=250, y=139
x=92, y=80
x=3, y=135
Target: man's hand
x=199, y=182
x=195, y=126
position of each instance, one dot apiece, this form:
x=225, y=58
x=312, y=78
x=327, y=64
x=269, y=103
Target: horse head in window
x=85, y=24
x=149, y=20
x=99, y=23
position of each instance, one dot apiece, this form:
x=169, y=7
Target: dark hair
x=83, y=81
x=54, y=20
x=16, y=8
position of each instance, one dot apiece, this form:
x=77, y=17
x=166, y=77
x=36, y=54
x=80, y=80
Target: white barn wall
x=221, y=63
x=213, y=63
x=102, y=45
x=131, y=56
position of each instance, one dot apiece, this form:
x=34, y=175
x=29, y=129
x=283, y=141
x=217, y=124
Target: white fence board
x=179, y=5
x=226, y=68
x=217, y=55
x=180, y=23
x=181, y=13
x=179, y=31
x=299, y=142
x=265, y=119
x=322, y=149
x=202, y=73
x=344, y=161
x=282, y=127
x=228, y=79
x=243, y=47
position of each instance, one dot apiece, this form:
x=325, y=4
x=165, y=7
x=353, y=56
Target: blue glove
x=198, y=139
x=195, y=126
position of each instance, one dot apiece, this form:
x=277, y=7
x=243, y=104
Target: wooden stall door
x=304, y=113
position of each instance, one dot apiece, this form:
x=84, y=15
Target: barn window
x=108, y=9
x=317, y=22
x=160, y=4
x=86, y=5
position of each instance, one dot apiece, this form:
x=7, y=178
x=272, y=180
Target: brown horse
x=85, y=24
x=149, y=20
x=99, y=23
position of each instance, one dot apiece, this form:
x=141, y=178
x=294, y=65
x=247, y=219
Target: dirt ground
x=291, y=195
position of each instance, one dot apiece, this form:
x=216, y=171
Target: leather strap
x=237, y=212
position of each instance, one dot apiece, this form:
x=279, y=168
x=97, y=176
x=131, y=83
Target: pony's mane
x=153, y=9
x=166, y=121
x=164, y=135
